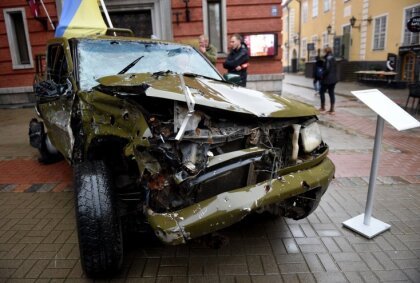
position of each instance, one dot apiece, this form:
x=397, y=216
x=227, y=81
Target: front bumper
x=230, y=207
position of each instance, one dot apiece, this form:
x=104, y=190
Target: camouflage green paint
x=228, y=208
x=106, y=115
x=217, y=94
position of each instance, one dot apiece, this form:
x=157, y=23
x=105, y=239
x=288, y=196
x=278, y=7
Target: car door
x=55, y=105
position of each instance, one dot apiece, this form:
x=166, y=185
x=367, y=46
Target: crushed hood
x=212, y=93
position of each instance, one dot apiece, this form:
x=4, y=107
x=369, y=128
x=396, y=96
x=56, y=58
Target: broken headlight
x=311, y=137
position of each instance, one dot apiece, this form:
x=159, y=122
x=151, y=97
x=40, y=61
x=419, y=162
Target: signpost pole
x=374, y=169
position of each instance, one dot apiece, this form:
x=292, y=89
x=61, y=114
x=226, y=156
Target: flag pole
x=48, y=15
x=108, y=19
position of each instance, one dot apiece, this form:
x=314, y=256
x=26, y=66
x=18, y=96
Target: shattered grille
x=281, y=141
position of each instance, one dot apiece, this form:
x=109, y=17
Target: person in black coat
x=237, y=60
x=317, y=73
x=328, y=81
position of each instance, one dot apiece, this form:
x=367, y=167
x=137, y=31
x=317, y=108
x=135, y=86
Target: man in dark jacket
x=328, y=81
x=237, y=60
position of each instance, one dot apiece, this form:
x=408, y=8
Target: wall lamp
x=353, y=21
x=187, y=11
x=329, y=30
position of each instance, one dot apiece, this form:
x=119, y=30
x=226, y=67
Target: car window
x=99, y=58
x=57, y=68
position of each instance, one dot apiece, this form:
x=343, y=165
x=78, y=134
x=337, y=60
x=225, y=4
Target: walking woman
x=328, y=81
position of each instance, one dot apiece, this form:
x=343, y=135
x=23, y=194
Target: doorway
x=294, y=61
x=408, y=66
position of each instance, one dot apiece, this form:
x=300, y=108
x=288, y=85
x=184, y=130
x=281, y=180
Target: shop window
x=17, y=35
x=215, y=24
x=379, y=34
x=411, y=38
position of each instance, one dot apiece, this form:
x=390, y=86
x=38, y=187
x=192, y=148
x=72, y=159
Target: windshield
x=99, y=58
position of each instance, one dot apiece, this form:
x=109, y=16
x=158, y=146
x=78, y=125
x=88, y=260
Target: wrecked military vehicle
x=157, y=136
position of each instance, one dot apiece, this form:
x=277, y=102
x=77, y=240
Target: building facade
x=25, y=31
x=364, y=35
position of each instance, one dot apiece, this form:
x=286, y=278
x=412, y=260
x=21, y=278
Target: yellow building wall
x=294, y=29
x=317, y=25
x=395, y=11
x=338, y=16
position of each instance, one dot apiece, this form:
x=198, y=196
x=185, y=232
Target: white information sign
x=387, y=109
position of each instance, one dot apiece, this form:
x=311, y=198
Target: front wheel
x=98, y=223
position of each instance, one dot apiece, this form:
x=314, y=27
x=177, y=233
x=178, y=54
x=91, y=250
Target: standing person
x=237, y=60
x=317, y=73
x=328, y=81
x=207, y=49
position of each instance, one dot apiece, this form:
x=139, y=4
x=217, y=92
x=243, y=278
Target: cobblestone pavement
x=38, y=240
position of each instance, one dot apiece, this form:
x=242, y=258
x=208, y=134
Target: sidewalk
x=38, y=238
x=344, y=88
x=400, y=156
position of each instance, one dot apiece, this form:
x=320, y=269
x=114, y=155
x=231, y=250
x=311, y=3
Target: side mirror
x=232, y=78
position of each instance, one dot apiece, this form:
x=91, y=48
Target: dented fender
x=228, y=208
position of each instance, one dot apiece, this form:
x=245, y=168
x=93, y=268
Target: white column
x=363, y=30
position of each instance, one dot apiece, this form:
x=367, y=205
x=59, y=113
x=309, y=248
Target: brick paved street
x=38, y=240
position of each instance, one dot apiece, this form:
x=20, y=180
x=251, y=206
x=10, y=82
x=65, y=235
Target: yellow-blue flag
x=80, y=18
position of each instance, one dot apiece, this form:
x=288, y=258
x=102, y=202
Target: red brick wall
x=37, y=37
x=252, y=16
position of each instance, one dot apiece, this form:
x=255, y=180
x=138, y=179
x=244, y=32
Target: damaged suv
x=157, y=136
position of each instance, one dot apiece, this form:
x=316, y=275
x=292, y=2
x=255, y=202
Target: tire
x=98, y=222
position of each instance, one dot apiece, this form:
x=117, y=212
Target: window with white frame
x=327, y=5
x=292, y=21
x=215, y=24
x=411, y=38
x=314, y=8
x=304, y=46
x=379, y=33
x=18, y=38
x=305, y=11
x=313, y=53
x=324, y=40
x=286, y=23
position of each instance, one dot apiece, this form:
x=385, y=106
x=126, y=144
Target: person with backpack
x=328, y=81
x=317, y=73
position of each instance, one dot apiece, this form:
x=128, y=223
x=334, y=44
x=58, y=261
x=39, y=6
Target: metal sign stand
x=364, y=223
